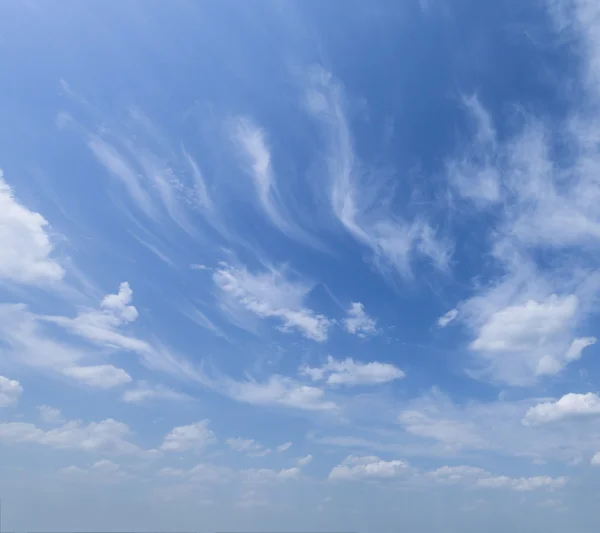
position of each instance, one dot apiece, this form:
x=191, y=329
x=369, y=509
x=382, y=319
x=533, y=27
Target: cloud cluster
x=349, y=372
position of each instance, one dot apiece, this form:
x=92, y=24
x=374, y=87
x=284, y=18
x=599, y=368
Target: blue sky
x=299, y=266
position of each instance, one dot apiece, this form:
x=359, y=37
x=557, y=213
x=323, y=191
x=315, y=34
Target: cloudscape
x=300, y=266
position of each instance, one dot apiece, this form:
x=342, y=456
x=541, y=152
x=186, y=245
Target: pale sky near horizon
x=300, y=266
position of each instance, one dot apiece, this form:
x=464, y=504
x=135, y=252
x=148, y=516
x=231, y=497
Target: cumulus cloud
x=195, y=437
x=98, y=376
x=569, y=406
x=367, y=467
x=271, y=295
x=26, y=246
x=358, y=322
x=248, y=446
x=267, y=475
x=108, y=435
x=10, y=391
x=303, y=461
x=349, y=372
x=50, y=415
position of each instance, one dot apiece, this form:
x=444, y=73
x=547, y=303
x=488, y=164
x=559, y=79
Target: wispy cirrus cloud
x=359, y=200
x=251, y=141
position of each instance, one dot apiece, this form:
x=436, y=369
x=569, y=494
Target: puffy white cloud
x=283, y=447
x=367, y=467
x=196, y=437
x=10, y=391
x=358, y=322
x=350, y=372
x=303, y=461
x=523, y=484
x=108, y=435
x=571, y=405
x=50, y=415
x=144, y=392
x=26, y=246
x=450, y=316
x=271, y=295
x=98, y=376
x=248, y=446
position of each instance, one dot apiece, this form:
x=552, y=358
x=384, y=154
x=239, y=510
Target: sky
x=300, y=266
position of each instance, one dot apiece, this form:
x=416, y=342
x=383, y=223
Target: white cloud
x=202, y=473
x=569, y=406
x=457, y=474
x=277, y=390
x=271, y=295
x=267, y=475
x=10, y=391
x=349, y=372
x=367, y=467
x=98, y=376
x=196, y=437
x=522, y=484
x=450, y=316
x=596, y=459
x=252, y=144
x=50, y=415
x=108, y=435
x=248, y=446
x=25, y=243
x=358, y=322
x=144, y=392
x=361, y=201
x=283, y=447
x=303, y=461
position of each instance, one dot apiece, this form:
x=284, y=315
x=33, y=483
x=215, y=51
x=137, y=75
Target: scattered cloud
x=348, y=372
x=144, y=392
x=26, y=245
x=98, y=376
x=271, y=295
x=569, y=406
x=195, y=437
x=523, y=484
x=367, y=467
x=445, y=320
x=283, y=447
x=596, y=459
x=303, y=461
x=10, y=391
x=358, y=322
x=106, y=436
x=267, y=475
x=248, y=446
x=50, y=415
x=276, y=391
